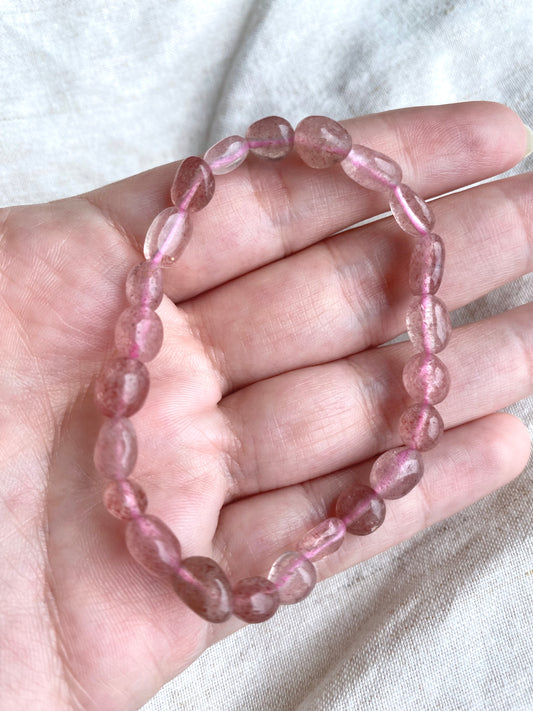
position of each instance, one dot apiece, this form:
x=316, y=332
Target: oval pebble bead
x=421, y=427
x=167, y=236
x=125, y=499
x=271, y=137
x=426, y=378
x=153, y=545
x=144, y=285
x=428, y=323
x=321, y=142
x=411, y=212
x=139, y=333
x=396, y=472
x=255, y=599
x=122, y=387
x=427, y=265
x=294, y=577
x=361, y=509
x=203, y=586
x=371, y=169
x=226, y=155
x=115, y=451
x=323, y=539
x=193, y=186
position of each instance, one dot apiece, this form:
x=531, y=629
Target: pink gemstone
x=361, y=509
x=294, y=577
x=426, y=378
x=396, y=472
x=321, y=142
x=115, y=451
x=322, y=540
x=411, y=212
x=193, y=186
x=125, y=499
x=144, y=285
x=153, y=545
x=427, y=263
x=122, y=387
x=255, y=599
x=421, y=427
x=428, y=324
x=271, y=137
x=167, y=236
x=203, y=586
x=139, y=333
x=372, y=169
x=226, y=155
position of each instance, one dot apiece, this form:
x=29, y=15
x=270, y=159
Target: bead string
x=123, y=385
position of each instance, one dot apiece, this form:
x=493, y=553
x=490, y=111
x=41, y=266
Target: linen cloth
x=95, y=91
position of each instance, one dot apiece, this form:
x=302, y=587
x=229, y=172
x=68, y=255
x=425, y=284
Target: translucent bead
x=167, y=236
x=427, y=264
x=255, y=599
x=322, y=540
x=203, y=586
x=138, y=333
x=193, y=186
x=115, y=451
x=411, y=212
x=125, y=499
x=428, y=324
x=426, y=378
x=294, y=577
x=226, y=155
x=371, y=169
x=122, y=387
x=396, y=472
x=361, y=509
x=321, y=142
x=421, y=427
x=144, y=285
x=153, y=545
x=271, y=137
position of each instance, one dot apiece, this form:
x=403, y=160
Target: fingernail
x=529, y=145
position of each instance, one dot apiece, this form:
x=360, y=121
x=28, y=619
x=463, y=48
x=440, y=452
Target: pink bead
x=421, y=427
x=322, y=540
x=294, y=577
x=396, y=472
x=321, y=142
x=361, y=509
x=371, y=169
x=411, y=212
x=255, y=599
x=115, y=451
x=122, y=387
x=144, y=285
x=226, y=155
x=193, y=186
x=125, y=499
x=428, y=324
x=203, y=586
x=138, y=333
x=153, y=545
x=426, y=378
x=427, y=263
x=167, y=236
x=271, y=137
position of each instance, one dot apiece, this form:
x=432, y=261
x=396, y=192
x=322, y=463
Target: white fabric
x=96, y=90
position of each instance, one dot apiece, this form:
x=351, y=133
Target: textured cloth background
x=93, y=91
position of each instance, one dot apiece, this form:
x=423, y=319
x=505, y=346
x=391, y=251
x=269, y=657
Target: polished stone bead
x=153, y=545
x=323, y=539
x=203, y=586
x=427, y=265
x=396, y=472
x=227, y=154
x=294, y=577
x=421, y=427
x=428, y=323
x=122, y=387
x=371, y=169
x=255, y=599
x=138, y=333
x=144, y=285
x=167, y=236
x=426, y=378
x=115, y=451
x=321, y=142
x=125, y=499
x=271, y=137
x=193, y=186
x=361, y=509
x=411, y=212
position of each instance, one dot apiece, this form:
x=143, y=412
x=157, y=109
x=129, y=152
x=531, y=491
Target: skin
x=269, y=393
